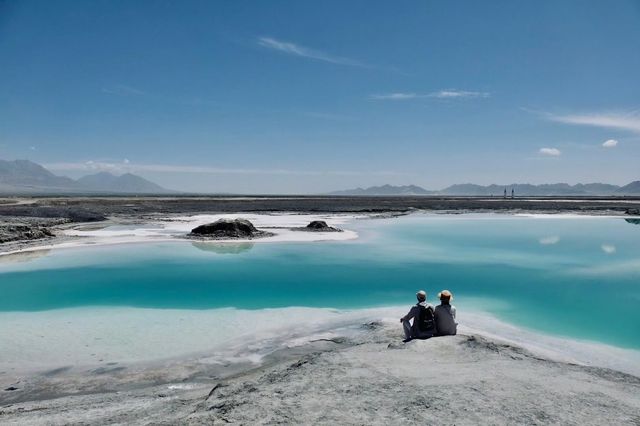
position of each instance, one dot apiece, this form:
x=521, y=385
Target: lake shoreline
x=496, y=379
x=369, y=377
x=58, y=214
x=74, y=235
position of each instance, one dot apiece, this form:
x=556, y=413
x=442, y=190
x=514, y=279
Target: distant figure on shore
x=445, y=315
x=422, y=314
x=512, y=193
x=505, y=193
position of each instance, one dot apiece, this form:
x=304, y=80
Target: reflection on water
x=545, y=273
x=223, y=248
x=549, y=240
x=633, y=221
x=608, y=248
x=25, y=256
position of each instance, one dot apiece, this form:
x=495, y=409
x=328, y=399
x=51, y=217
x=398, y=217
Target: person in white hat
x=445, y=315
x=422, y=314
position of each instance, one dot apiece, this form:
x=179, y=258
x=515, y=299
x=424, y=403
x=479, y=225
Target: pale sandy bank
x=369, y=378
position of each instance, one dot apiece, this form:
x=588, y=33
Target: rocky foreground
x=369, y=379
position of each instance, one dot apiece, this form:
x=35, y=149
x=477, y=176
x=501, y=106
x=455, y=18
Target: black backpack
x=426, y=321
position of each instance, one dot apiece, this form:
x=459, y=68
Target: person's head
x=421, y=296
x=445, y=296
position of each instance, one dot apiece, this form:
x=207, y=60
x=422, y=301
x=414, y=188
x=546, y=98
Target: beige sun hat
x=445, y=294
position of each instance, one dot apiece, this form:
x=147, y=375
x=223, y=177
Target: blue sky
x=306, y=97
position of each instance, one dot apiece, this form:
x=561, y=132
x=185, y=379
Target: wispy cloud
x=395, y=96
x=551, y=152
x=306, y=52
x=629, y=121
x=453, y=94
x=611, y=143
x=126, y=166
x=441, y=94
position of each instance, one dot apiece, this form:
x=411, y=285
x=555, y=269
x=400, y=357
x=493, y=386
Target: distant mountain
x=631, y=189
x=532, y=190
x=385, y=190
x=126, y=183
x=26, y=177
x=519, y=189
x=472, y=189
x=597, y=188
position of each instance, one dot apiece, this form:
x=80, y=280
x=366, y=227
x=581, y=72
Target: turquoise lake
x=576, y=277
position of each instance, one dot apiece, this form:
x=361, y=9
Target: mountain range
x=519, y=189
x=386, y=190
x=26, y=177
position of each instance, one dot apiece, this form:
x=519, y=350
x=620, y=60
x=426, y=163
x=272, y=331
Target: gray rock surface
x=23, y=232
x=65, y=207
x=71, y=214
x=228, y=229
x=321, y=226
x=371, y=379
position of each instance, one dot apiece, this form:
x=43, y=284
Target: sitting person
x=422, y=314
x=445, y=315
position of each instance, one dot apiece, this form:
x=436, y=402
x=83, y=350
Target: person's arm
x=410, y=315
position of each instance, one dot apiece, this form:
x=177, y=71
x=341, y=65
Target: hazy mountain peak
x=125, y=183
x=386, y=190
x=519, y=189
x=24, y=176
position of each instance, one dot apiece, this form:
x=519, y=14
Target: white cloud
x=452, y=94
x=395, y=96
x=611, y=143
x=442, y=94
x=629, y=121
x=305, y=52
x=608, y=248
x=123, y=167
x=551, y=152
x=549, y=240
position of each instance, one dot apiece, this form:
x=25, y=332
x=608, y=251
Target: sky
x=304, y=97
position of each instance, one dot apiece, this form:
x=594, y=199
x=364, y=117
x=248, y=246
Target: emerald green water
x=575, y=277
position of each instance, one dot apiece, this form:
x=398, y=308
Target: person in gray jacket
x=422, y=314
x=445, y=315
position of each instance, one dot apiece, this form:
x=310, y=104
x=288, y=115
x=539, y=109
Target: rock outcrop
x=320, y=226
x=23, y=232
x=228, y=229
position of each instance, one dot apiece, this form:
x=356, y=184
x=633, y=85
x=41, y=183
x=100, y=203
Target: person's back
x=423, y=320
x=445, y=315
